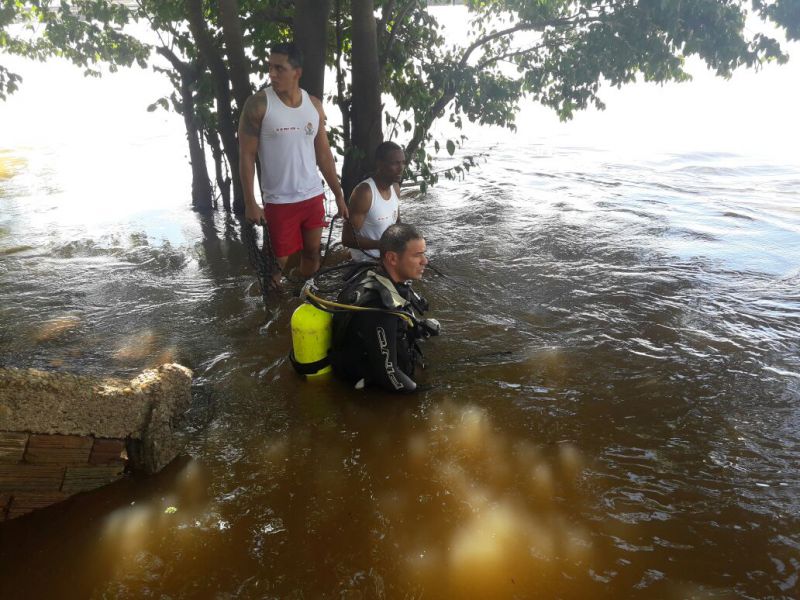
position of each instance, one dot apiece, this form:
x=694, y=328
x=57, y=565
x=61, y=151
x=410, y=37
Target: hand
x=341, y=208
x=253, y=213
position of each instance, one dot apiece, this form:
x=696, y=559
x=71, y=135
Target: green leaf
x=451, y=147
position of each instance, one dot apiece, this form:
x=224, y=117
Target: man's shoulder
x=365, y=185
x=258, y=95
x=313, y=99
x=256, y=103
x=253, y=112
x=362, y=196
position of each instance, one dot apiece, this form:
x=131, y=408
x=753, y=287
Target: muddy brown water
x=612, y=411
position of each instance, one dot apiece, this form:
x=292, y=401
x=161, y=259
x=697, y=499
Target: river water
x=613, y=409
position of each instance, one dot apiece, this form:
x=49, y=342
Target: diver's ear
x=392, y=258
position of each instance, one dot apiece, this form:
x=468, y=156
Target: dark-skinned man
x=380, y=346
x=285, y=127
x=374, y=204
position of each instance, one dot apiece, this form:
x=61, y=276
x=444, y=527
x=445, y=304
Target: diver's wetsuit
x=379, y=347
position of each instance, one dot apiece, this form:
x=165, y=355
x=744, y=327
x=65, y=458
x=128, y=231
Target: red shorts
x=287, y=222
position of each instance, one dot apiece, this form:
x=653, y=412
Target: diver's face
x=410, y=264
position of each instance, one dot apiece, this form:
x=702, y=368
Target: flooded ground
x=613, y=409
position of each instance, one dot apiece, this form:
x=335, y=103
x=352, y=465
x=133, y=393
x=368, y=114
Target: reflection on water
x=613, y=410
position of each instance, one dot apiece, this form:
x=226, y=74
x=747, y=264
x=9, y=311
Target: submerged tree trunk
x=311, y=35
x=202, y=195
x=223, y=182
x=367, y=111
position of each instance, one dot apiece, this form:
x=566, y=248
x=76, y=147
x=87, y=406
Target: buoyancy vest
x=367, y=287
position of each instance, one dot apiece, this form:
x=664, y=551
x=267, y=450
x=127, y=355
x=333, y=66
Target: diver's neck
x=390, y=275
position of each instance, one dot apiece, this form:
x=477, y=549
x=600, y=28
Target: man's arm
x=325, y=162
x=379, y=332
x=249, y=129
x=360, y=203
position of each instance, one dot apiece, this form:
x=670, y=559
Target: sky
x=752, y=112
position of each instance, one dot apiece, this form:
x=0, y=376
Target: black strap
x=309, y=368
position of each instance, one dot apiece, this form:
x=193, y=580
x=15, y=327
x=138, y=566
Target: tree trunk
x=234, y=44
x=227, y=125
x=367, y=111
x=311, y=35
x=342, y=100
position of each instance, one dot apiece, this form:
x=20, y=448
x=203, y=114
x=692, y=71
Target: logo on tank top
x=309, y=128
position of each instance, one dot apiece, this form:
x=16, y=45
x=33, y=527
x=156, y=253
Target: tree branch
x=489, y=61
x=185, y=69
x=529, y=26
x=401, y=15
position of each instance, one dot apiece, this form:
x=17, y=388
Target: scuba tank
x=312, y=332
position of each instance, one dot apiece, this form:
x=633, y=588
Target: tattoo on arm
x=253, y=113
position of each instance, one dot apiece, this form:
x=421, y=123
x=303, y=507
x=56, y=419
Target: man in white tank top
x=285, y=127
x=374, y=204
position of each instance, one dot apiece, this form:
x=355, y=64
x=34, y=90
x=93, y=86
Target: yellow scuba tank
x=312, y=332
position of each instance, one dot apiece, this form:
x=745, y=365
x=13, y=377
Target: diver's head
x=390, y=162
x=403, y=252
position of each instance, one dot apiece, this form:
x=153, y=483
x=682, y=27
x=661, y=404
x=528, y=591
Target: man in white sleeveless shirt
x=285, y=127
x=374, y=204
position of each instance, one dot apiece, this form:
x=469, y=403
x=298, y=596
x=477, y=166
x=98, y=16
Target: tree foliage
x=90, y=33
x=394, y=71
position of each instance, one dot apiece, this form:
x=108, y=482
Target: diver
x=381, y=347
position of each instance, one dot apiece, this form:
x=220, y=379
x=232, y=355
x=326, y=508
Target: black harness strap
x=309, y=368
